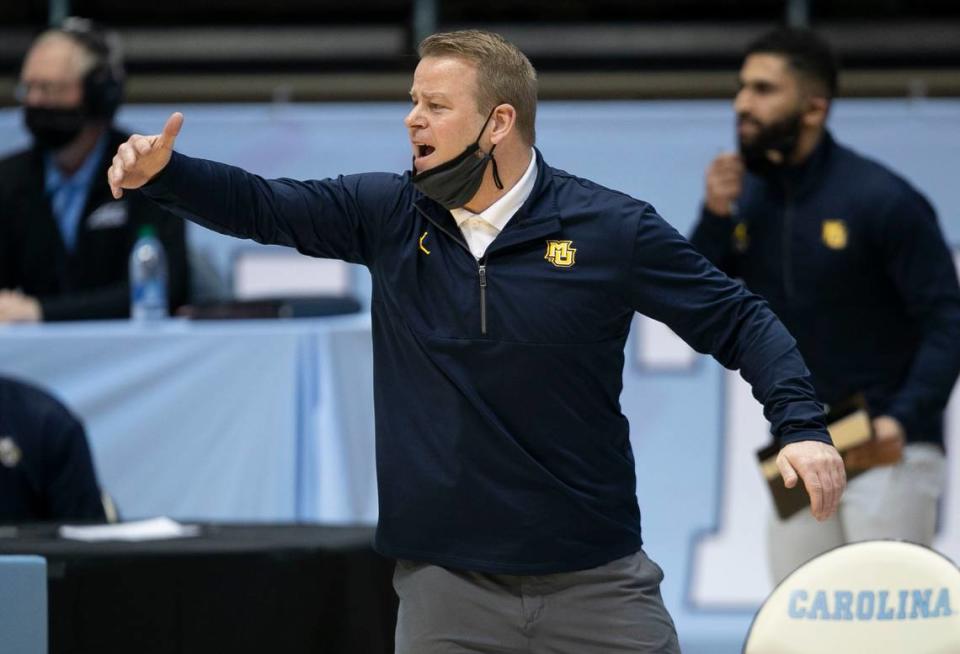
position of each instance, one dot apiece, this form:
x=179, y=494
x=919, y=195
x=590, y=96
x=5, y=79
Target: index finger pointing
x=171, y=129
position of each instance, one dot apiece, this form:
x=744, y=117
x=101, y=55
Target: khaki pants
x=898, y=501
x=613, y=608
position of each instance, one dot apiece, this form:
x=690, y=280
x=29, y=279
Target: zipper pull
x=483, y=299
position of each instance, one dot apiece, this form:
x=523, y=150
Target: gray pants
x=613, y=608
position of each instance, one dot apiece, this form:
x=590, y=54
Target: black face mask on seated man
x=54, y=127
x=454, y=182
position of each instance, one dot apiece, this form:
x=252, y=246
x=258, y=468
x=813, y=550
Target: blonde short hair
x=504, y=74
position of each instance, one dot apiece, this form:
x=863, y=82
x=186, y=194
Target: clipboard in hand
x=849, y=426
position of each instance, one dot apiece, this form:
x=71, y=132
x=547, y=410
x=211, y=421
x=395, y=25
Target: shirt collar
x=500, y=212
x=54, y=179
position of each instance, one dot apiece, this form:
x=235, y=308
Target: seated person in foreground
x=46, y=471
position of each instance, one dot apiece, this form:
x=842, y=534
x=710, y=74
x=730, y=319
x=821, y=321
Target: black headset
x=103, y=85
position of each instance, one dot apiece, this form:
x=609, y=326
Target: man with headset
x=64, y=241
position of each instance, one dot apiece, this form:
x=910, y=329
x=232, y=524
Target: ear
x=816, y=112
x=504, y=120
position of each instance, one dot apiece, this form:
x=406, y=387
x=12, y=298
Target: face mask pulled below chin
x=53, y=128
x=454, y=182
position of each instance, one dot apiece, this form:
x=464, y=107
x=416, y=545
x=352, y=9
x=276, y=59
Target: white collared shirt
x=479, y=229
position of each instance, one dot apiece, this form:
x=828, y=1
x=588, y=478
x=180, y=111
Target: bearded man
x=850, y=257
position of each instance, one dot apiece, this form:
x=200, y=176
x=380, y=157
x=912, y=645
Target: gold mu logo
x=834, y=234
x=560, y=254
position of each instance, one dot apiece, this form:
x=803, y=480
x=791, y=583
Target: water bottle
x=148, y=277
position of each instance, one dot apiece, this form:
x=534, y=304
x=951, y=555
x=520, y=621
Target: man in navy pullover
x=850, y=257
x=503, y=292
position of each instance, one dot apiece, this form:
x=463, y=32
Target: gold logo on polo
x=422, y=248
x=741, y=238
x=834, y=234
x=560, y=254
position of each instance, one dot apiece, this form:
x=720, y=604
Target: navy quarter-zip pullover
x=501, y=446
x=851, y=258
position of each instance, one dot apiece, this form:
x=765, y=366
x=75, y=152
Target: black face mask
x=454, y=182
x=52, y=128
x=781, y=137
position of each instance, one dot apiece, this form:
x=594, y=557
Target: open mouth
x=424, y=150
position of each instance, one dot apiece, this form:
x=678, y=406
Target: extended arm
x=674, y=284
x=334, y=218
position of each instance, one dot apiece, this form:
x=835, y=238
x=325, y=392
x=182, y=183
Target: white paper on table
x=138, y=530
